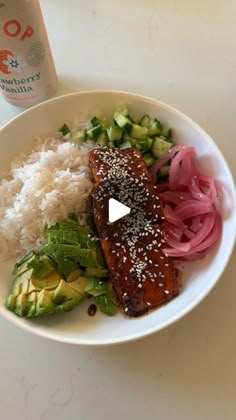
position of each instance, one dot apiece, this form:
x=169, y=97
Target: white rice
x=42, y=188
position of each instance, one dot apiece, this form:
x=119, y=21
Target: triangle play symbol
x=116, y=210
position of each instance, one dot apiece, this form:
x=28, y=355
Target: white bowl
x=198, y=278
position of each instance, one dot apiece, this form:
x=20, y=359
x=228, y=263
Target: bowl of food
x=117, y=217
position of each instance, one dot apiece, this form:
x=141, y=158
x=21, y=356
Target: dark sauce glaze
x=92, y=309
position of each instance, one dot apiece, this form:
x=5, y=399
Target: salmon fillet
x=142, y=276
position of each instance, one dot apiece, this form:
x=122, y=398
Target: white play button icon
x=116, y=210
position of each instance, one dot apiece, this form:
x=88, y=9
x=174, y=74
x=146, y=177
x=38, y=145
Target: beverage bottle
x=27, y=71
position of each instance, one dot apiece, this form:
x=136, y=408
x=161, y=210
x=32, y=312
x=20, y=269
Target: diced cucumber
x=123, y=121
x=123, y=110
x=80, y=136
x=95, y=121
x=138, y=132
x=102, y=139
x=104, y=123
x=155, y=128
x=114, y=133
x=164, y=171
x=127, y=137
x=160, y=146
x=94, y=131
x=145, y=121
x=142, y=145
x=167, y=133
x=149, y=159
x=149, y=142
x=112, y=144
x=125, y=145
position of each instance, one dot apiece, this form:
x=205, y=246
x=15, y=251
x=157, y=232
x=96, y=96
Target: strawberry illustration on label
x=4, y=57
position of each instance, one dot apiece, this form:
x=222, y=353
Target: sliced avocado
x=70, y=233
x=95, y=272
x=32, y=287
x=70, y=304
x=63, y=292
x=66, y=265
x=11, y=302
x=42, y=266
x=95, y=286
x=21, y=305
x=100, y=257
x=66, y=256
x=39, y=288
x=74, y=275
x=79, y=284
x=65, y=250
x=24, y=286
x=19, y=281
x=44, y=300
x=108, y=302
x=88, y=258
x=31, y=303
x=49, y=282
x=22, y=265
x=58, y=236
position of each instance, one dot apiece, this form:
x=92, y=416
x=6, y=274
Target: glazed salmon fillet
x=142, y=276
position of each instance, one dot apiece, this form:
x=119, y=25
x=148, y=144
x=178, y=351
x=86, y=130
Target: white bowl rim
x=187, y=309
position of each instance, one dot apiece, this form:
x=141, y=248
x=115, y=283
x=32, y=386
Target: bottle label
x=26, y=67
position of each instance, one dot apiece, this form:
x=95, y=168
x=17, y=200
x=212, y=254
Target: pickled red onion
x=164, y=159
x=192, y=223
x=208, y=241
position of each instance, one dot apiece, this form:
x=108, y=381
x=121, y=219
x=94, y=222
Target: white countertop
x=183, y=53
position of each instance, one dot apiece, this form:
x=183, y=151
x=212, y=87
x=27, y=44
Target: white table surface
x=183, y=53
